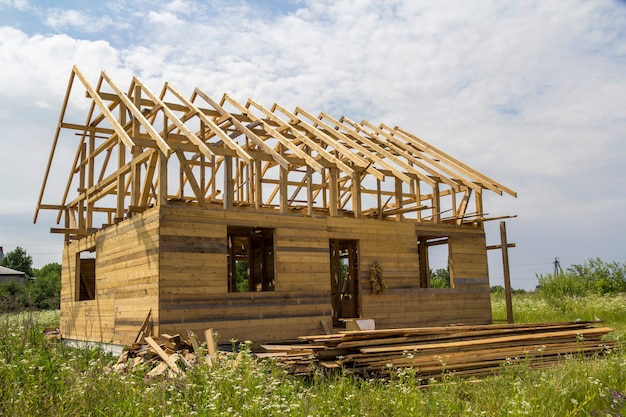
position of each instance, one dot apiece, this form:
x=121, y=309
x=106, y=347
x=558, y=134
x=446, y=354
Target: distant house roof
x=8, y=274
x=8, y=271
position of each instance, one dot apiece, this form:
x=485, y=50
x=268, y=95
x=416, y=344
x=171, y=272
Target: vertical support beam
x=453, y=196
x=249, y=184
x=121, y=161
x=356, y=194
x=333, y=197
x=181, y=181
x=162, y=195
x=213, y=167
x=424, y=269
x=67, y=225
x=258, y=184
x=283, y=197
x=82, y=186
x=135, y=186
x=309, y=191
x=507, y=275
x=399, y=198
x=90, y=175
x=203, y=184
x=228, y=183
x=479, y=204
x=379, y=200
x=436, y=204
x=418, y=198
x=121, y=186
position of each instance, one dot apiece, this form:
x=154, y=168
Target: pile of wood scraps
x=433, y=351
x=167, y=354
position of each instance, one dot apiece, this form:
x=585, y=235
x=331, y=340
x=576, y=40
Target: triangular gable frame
x=260, y=157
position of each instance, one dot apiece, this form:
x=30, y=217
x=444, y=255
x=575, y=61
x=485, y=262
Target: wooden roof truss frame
x=137, y=149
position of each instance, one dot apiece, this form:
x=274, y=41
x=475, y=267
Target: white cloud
x=531, y=93
x=74, y=19
x=23, y=5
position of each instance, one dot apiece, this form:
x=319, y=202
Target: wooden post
x=399, y=198
x=507, y=275
x=121, y=186
x=283, y=197
x=258, y=184
x=82, y=187
x=309, y=191
x=504, y=246
x=228, y=183
x=162, y=179
x=436, y=204
x=333, y=197
x=90, y=176
x=379, y=200
x=356, y=194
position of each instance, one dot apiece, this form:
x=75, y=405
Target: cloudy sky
x=531, y=93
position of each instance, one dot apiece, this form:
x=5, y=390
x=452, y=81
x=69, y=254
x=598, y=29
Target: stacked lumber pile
x=433, y=351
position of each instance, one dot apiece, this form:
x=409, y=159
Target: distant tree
x=497, y=289
x=45, y=290
x=19, y=260
x=242, y=276
x=440, y=278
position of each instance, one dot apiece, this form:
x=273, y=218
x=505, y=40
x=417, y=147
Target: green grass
x=40, y=378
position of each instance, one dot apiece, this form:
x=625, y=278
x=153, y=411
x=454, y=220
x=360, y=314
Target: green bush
x=601, y=277
x=13, y=296
x=593, y=277
x=43, y=292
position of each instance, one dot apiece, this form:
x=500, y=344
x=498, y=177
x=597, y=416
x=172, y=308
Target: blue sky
x=531, y=93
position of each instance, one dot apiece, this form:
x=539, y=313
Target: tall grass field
x=47, y=378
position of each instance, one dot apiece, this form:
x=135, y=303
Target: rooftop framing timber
x=137, y=149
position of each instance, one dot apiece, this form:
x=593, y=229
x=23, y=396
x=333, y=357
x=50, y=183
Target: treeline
x=40, y=291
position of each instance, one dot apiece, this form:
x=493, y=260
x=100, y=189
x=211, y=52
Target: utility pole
x=557, y=266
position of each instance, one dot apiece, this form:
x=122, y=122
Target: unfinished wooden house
x=262, y=223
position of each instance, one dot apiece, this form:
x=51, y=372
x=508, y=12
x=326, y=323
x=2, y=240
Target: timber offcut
x=260, y=222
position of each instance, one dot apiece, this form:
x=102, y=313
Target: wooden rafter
x=230, y=154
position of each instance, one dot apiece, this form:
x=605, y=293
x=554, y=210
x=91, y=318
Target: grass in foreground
x=40, y=378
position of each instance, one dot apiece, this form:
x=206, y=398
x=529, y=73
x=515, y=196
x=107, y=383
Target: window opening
x=86, y=275
x=434, y=262
x=250, y=259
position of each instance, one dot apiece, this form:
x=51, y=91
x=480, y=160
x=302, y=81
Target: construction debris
x=434, y=351
x=167, y=354
x=430, y=352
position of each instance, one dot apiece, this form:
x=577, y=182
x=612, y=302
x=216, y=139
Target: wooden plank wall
x=173, y=260
x=194, y=289
x=126, y=282
x=404, y=304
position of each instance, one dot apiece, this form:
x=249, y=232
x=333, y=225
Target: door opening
x=344, y=283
